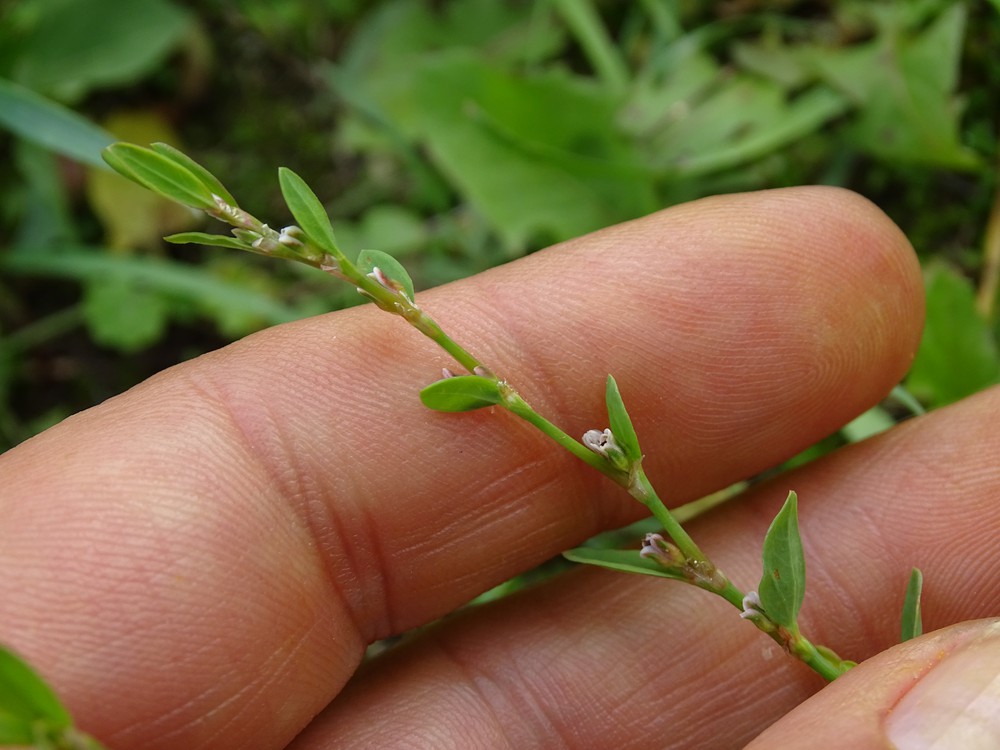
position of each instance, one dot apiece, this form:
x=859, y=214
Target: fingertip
x=939, y=690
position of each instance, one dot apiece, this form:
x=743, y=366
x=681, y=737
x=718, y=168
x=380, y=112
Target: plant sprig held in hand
x=773, y=606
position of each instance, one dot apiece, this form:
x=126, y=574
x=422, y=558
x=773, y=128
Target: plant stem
x=514, y=403
x=642, y=490
x=829, y=667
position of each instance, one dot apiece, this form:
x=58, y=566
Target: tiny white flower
x=752, y=606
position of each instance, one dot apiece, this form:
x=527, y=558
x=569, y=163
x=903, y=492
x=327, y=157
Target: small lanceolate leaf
x=783, y=584
x=160, y=174
x=912, y=626
x=461, y=393
x=24, y=697
x=621, y=424
x=204, y=238
x=626, y=560
x=208, y=179
x=308, y=211
x=389, y=266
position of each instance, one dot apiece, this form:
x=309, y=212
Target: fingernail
x=956, y=704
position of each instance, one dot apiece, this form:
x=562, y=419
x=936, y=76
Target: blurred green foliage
x=457, y=135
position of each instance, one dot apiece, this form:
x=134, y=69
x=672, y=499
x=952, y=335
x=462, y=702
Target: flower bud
x=604, y=444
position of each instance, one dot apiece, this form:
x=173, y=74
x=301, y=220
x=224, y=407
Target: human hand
x=200, y=562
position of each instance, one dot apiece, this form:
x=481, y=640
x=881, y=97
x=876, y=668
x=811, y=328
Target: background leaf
x=958, y=354
x=65, y=48
x=123, y=315
x=461, y=393
x=50, y=125
x=307, y=210
x=783, y=585
x=905, y=84
x=911, y=624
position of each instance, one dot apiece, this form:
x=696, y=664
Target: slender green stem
x=828, y=666
x=642, y=490
x=398, y=303
x=516, y=404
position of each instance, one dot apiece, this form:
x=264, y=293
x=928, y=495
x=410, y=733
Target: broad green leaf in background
x=65, y=48
x=625, y=560
x=24, y=697
x=392, y=268
x=123, y=315
x=48, y=219
x=162, y=175
x=50, y=125
x=783, y=584
x=307, y=210
x=161, y=277
x=958, y=355
x=903, y=83
x=398, y=230
x=461, y=393
x=911, y=625
x=537, y=155
x=621, y=424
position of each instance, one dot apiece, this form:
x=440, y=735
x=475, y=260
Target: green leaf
x=904, y=82
x=461, y=393
x=208, y=179
x=162, y=276
x=783, y=585
x=204, y=238
x=51, y=125
x=912, y=626
x=388, y=265
x=307, y=210
x=25, y=696
x=124, y=315
x=160, y=174
x=70, y=47
x=626, y=560
x=536, y=155
x=958, y=355
x=867, y=424
x=15, y=731
x=620, y=423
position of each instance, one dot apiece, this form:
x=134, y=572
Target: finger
x=236, y=530
x=940, y=691
x=601, y=659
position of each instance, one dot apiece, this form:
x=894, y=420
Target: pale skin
x=201, y=562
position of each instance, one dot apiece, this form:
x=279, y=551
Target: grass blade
x=51, y=126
